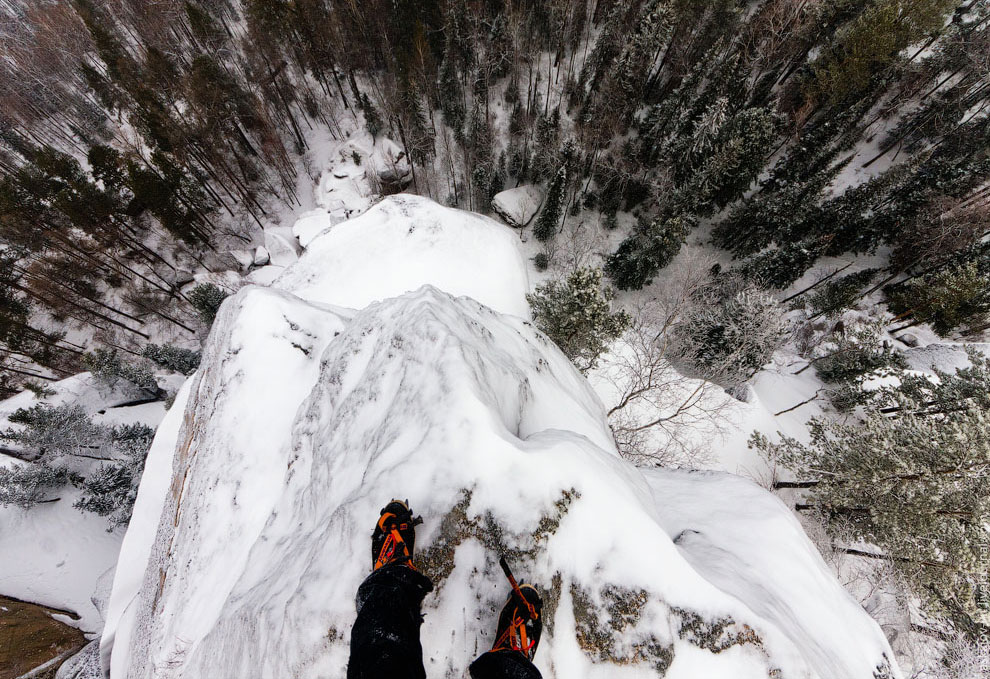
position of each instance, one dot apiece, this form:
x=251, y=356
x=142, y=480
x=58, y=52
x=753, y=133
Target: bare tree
x=660, y=417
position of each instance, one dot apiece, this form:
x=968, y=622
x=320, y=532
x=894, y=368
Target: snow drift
x=305, y=419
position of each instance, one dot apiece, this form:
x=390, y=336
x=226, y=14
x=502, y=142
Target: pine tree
x=553, y=208
x=950, y=298
x=912, y=487
x=452, y=96
x=206, y=298
x=647, y=250
x=109, y=369
x=730, y=332
x=176, y=359
x=372, y=119
x=576, y=314
x=780, y=267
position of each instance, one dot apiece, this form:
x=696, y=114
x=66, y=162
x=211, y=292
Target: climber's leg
x=516, y=639
x=385, y=637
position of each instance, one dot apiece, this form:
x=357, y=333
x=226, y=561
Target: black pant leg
x=385, y=637
x=503, y=665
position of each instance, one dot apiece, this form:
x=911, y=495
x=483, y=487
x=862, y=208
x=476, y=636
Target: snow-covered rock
x=280, y=250
x=390, y=163
x=244, y=258
x=262, y=256
x=305, y=418
x=265, y=275
x=310, y=225
x=518, y=206
x=910, y=339
x=405, y=242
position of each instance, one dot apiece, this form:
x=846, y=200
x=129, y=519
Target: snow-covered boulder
x=305, y=418
x=280, y=249
x=518, y=206
x=391, y=164
x=310, y=225
x=262, y=256
x=244, y=258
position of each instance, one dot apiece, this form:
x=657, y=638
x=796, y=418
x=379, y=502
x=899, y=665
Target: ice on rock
x=305, y=418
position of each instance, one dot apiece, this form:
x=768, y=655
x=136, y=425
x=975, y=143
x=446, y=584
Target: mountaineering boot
x=395, y=535
x=517, y=630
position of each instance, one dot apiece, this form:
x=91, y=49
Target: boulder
x=518, y=206
x=244, y=258
x=262, y=256
x=280, y=250
x=310, y=225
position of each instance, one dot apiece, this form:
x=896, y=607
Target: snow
x=55, y=554
x=404, y=242
x=518, y=206
x=775, y=571
x=310, y=225
x=305, y=418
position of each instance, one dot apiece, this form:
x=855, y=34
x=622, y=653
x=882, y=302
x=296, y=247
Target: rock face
x=304, y=419
x=518, y=206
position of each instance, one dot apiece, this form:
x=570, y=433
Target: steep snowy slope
x=305, y=419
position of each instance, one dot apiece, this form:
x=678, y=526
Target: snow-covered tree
x=52, y=436
x=911, y=481
x=173, y=358
x=206, y=298
x=110, y=491
x=30, y=484
x=49, y=432
x=950, y=298
x=576, y=313
x=780, y=267
x=109, y=369
x=730, y=332
x=553, y=208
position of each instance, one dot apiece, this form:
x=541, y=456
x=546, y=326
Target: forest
x=141, y=141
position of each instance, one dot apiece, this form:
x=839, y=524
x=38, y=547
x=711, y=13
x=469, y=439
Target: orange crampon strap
x=522, y=644
x=391, y=540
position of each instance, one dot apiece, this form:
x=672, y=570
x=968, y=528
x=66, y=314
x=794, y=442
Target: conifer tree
x=910, y=481
x=648, y=249
x=576, y=314
x=553, y=208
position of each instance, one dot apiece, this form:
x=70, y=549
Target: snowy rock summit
x=321, y=398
